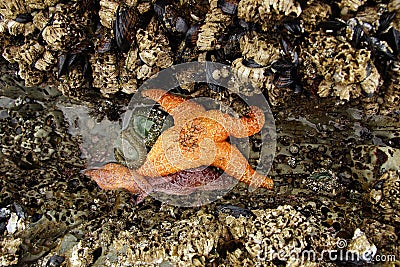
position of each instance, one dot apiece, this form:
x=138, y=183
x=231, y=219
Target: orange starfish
x=198, y=138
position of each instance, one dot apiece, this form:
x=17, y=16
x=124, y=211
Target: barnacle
x=108, y=8
x=350, y=5
x=256, y=47
x=346, y=72
x=391, y=94
x=314, y=14
x=263, y=12
x=249, y=79
x=105, y=69
x=12, y=8
x=46, y=61
x=154, y=47
x=214, y=25
x=63, y=31
x=384, y=196
x=26, y=55
x=16, y=28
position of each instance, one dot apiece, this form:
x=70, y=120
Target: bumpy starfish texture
x=198, y=138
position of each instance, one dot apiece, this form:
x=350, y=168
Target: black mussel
x=181, y=25
x=55, y=261
x=75, y=56
x=251, y=63
x=384, y=22
x=392, y=37
x=62, y=65
x=125, y=20
x=357, y=36
x=228, y=6
x=283, y=79
x=235, y=211
x=293, y=27
x=297, y=88
x=287, y=47
x=286, y=75
x=378, y=185
x=249, y=26
x=104, y=45
x=394, y=142
x=192, y=35
x=380, y=50
x=231, y=43
x=332, y=26
x=281, y=65
x=168, y=16
x=104, y=42
x=24, y=18
x=81, y=47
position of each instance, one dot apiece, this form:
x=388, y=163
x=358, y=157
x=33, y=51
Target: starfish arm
x=250, y=124
x=238, y=127
x=116, y=176
x=229, y=159
x=174, y=105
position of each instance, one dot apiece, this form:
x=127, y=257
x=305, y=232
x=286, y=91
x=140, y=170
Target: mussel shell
x=80, y=47
x=181, y=25
x=235, y=211
x=104, y=43
x=384, y=22
x=62, y=67
x=280, y=66
x=394, y=142
x=358, y=36
x=283, y=80
x=228, y=6
x=251, y=63
x=379, y=49
x=159, y=8
x=125, y=20
x=332, y=25
x=287, y=47
x=192, y=35
x=392, y=37
x=168, y=16
x=24, y=18
x=293, y=27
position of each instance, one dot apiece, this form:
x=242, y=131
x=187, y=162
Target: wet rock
x=55, y=261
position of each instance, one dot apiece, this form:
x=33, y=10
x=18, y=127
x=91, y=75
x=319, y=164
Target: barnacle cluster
x=384, y=196
x=49, y=30
x=200, y=239
x=346, y=72
x=263, y=12
x=263, y=243
x=215, y=23
x=280, y=47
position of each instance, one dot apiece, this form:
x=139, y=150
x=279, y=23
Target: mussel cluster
x=342, y=49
